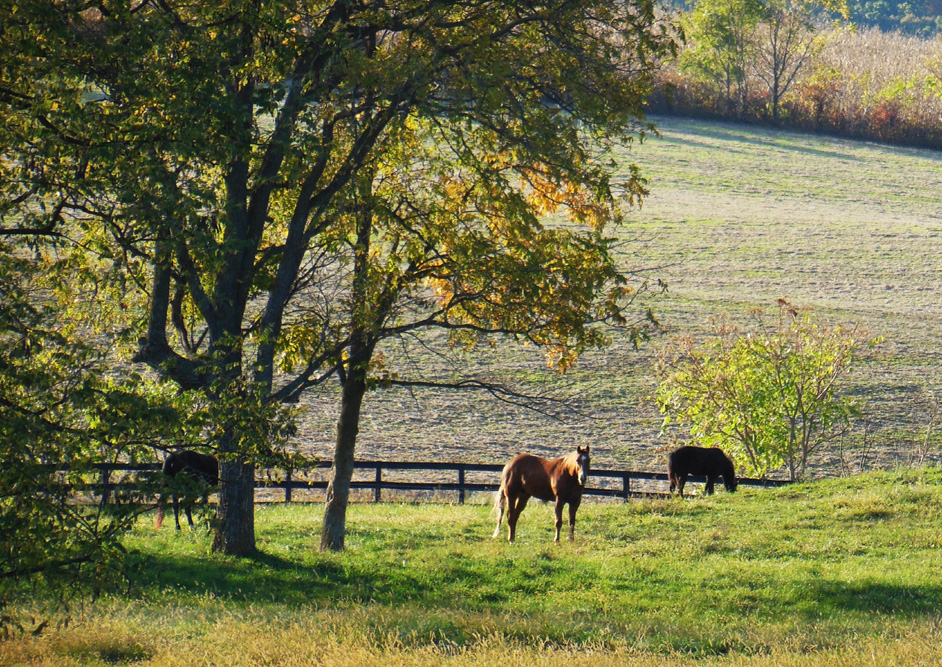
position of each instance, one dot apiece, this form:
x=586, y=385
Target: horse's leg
x=188, y=509
x=514, y=508
x=205, y=499
x=176, y=510
x=573, y=506
x=559, y=517
x=681, y=481
x=673, y=479
x=708, y=489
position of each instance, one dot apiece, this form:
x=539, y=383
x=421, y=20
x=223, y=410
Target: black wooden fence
x=460, y=478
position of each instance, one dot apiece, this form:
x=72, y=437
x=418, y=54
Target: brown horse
x=561, y=480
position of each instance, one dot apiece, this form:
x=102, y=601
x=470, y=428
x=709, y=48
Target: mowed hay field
x=737, y=218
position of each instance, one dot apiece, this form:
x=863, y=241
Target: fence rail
x=602, y=482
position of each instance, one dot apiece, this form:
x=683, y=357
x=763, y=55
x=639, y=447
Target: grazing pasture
x=836, y=572
x=738, y=217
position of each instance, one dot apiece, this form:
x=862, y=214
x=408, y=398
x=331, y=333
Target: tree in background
x=769, y=398
x=735, y=41
x=786, y=42
x=252, y=189
x=722, y=46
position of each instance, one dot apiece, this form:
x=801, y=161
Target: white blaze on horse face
x=583, y=461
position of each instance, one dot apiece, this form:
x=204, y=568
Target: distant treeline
x=922, y=18
x=840, y=80
x=915, y=17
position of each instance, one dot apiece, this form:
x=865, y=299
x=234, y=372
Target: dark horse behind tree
x=561, y=480
x=711, y=463
x=196, y=472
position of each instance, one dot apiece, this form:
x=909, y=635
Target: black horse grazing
x=712, y=463
x=199, y=469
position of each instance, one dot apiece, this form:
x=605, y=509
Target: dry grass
x=868, y=68
x=319, y=639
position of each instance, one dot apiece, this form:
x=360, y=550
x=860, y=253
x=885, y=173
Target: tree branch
x=501, y=392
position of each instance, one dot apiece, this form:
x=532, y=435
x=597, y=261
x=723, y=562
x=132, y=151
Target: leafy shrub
x=768, y=398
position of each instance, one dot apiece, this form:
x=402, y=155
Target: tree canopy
x=61, y=413
x=258, y=194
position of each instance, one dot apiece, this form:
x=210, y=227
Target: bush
x=768, y=398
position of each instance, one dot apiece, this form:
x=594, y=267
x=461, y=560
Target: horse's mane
x=570, y=462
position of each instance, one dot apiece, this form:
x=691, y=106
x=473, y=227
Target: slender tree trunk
x=338, y=492
x=354, y=380
x=235, y=524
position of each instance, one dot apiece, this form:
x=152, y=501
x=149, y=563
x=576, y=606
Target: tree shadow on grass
x=747, y=134
x=269, y=577
x=881, y=598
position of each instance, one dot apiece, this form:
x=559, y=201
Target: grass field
x=836, y=572
x=839, y=572
x=738, y=217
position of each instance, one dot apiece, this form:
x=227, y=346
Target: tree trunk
x=235, y=523
x=338, y=493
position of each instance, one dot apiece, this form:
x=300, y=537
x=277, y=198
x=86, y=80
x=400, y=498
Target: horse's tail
x=672, y=472
x=500, y=498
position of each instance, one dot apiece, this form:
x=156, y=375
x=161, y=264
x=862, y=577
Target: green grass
x=816, y=570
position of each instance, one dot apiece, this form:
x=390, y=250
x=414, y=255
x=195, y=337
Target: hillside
x=836, y=572
x=737, y=217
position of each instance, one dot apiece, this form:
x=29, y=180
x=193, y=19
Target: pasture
x=738, y=217
x=841, y=571
x=835, y=572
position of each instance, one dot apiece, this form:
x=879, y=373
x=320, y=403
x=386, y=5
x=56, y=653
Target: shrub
x=768, y=398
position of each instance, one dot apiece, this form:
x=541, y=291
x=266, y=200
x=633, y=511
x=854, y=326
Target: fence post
x=460, y=484
x=625, y=486
x=288, y=485
x=377, y=492
x=104, y=478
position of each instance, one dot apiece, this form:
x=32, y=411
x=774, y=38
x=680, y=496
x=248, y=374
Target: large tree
x=284, y=185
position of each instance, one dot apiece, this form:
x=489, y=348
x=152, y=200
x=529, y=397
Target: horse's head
x=172, y=465
x=729, y=476
x=582, y=463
